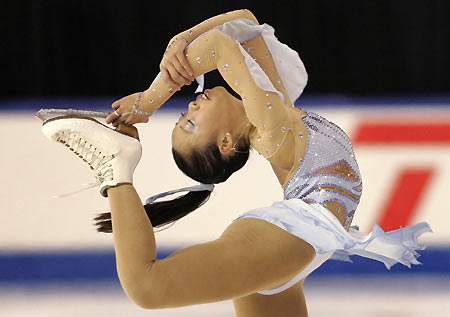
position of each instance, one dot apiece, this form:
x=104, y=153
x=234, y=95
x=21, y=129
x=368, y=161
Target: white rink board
x=33, y=169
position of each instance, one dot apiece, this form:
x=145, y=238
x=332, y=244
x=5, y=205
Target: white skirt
x=316, y=225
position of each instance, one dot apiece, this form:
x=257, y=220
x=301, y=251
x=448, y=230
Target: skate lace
x=89, y=153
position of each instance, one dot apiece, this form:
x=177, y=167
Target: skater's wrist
x=148, y=102
x=139, y=112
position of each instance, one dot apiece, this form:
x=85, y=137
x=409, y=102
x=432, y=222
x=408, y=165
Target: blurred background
x=379, y=69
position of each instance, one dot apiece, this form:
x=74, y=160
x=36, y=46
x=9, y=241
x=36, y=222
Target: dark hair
x=206, y=166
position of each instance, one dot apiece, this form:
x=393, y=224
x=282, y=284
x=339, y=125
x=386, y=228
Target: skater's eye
x=189, y=124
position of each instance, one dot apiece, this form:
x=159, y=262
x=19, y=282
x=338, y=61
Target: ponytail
x=162, y=213
x=207, y=166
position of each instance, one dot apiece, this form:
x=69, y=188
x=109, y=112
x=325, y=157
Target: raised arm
x=265, y=109
x=215, y=50
x=173, y=75
x=175, y=69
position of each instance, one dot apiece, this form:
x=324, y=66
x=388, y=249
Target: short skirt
x=316, y=225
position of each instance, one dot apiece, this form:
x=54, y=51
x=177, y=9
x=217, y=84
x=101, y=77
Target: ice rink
x=407, y=296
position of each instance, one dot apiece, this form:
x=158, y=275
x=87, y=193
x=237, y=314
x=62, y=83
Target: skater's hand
x=123, y=111
x=175, y=69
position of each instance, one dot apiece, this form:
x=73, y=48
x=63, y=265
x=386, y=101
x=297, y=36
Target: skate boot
x=112, y=154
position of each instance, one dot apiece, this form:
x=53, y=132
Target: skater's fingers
x=113, y=116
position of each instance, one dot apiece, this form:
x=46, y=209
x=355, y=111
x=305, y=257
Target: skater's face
x=212, y=118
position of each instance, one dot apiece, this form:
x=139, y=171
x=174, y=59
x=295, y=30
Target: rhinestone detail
x=326, y=145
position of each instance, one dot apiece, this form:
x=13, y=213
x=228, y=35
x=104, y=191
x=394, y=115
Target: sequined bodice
x=328, y=171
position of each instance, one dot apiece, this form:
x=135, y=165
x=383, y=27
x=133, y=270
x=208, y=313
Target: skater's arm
x=265, y=109
x=251, y=255
x=216, y=50
x=175, y=71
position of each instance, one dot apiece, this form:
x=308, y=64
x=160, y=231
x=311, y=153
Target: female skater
x=261, y=260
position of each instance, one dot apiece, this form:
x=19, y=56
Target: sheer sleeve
x=193, y=33
x=159, y=92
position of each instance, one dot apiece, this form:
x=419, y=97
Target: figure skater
x=261, y=260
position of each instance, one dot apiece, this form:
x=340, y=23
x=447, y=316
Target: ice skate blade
x=123, y=128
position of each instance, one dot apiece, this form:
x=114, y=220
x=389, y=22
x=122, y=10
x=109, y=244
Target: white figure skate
x=112, y=154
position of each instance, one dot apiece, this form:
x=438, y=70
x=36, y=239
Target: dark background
x=112, y=48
